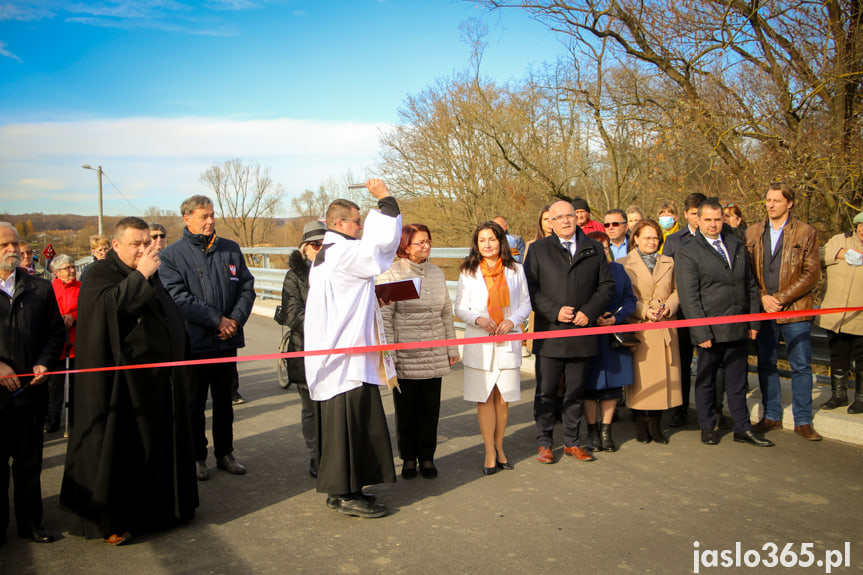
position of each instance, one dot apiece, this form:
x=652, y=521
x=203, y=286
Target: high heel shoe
x=505, y=465
x=489, y=470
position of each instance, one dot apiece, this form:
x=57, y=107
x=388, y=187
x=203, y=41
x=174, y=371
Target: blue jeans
x=798, y=346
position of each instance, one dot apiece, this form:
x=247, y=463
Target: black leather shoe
x=38, y=535
x=709, y=437
x=428, y=470
x=201, y=471
x=231, y=465
x=334, y=500
x=313, y=468
x=52, y=427
x=489, y=470
x=753, y=438
x=505, y=465
x=361, y=507
x=409, y=468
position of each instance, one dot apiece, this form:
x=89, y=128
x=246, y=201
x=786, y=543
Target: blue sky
x=155, y=91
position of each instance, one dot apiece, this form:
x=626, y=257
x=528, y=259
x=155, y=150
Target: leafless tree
x=247, y=199
x=772, y=86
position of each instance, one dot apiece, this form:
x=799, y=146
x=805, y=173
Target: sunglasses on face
x=614, y=224
x=158, y=236
x=316, y=244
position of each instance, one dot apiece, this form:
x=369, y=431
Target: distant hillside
x=42, y=222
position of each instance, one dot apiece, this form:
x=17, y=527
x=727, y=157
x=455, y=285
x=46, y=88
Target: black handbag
x=623, y=340
x=279, y=316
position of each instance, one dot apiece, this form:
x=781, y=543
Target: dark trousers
x=21, y=440
x=686, y=353
x=574, y=373
x=417, y=414
x=308, y=419
x=215, y=378
x=845, y=348
x=57, y=390
x=731, y=356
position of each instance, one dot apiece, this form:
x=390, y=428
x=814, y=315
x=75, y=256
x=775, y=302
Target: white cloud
x=25, y=11
x=7, y=53
x=158, y=161
x=40, y=184
x=200, y=137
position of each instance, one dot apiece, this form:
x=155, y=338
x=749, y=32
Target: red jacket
x=592, y=226
x=67, y=301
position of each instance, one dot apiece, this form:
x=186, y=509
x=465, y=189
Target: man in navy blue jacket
x=208, y=279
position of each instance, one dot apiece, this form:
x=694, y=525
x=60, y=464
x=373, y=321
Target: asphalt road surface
x=675, y=508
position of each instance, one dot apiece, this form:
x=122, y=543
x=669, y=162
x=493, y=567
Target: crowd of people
x=137, y=444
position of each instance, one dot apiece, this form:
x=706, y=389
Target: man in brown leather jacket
x=783, y=253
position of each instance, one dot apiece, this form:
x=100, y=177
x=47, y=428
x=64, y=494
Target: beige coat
x=656, y=361
x=424, y=319
x=844, y=287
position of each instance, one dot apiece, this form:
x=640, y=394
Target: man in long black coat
x=570, y=285
x=129, y=464
x=31, y=338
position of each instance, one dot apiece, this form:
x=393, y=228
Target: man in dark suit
x=570, y=285
x=714, y=279
x=32, y=335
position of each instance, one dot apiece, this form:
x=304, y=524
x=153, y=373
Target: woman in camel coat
x=656, y=361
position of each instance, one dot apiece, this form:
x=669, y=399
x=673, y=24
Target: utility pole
x=98, y=171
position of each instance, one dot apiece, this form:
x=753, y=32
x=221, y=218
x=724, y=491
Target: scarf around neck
x=498, y=290
x=648, y=259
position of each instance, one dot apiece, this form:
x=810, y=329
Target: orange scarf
x=498, y=291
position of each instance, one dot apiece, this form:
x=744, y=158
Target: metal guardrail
x=268, y=281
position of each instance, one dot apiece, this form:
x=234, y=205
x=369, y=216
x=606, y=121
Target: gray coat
x=423, y=319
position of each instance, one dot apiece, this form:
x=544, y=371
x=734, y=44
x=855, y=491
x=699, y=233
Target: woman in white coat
x=492, y=299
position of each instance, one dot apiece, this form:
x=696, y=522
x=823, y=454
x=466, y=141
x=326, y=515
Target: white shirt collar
x=8, y=286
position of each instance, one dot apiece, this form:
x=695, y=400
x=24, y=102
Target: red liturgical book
x=400, y=290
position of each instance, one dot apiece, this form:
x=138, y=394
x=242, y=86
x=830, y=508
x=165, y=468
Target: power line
x=121, y=193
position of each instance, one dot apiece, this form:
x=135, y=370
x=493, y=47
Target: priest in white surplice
x=342, y=311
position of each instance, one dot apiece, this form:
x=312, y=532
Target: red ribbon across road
x=575, y=332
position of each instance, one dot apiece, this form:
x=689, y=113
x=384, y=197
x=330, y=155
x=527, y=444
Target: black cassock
x=129, y=461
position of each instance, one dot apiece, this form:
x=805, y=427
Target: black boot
x=857, y=406
x=838, y=391
x=678, y=416
x=593, y=441
x=639, y=419
x=654, y=427
x=605, y=437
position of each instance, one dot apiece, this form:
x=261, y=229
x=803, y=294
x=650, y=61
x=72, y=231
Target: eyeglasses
x=316, y=244
x=614, y=224
x=158, y=236
x=67, y=269
x=422, y=243
x=356, y=221
x=569, y=216
x=731, y=205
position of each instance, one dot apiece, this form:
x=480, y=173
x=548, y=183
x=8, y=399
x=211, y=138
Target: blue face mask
x=666, y=222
